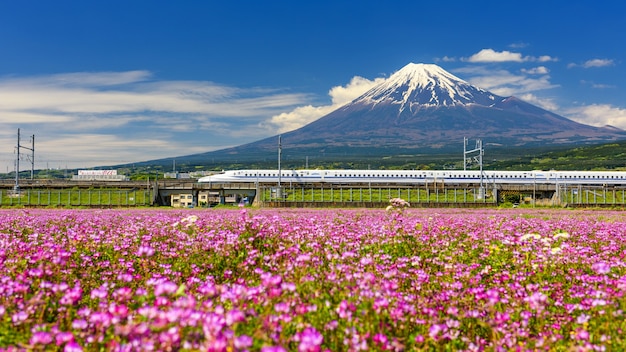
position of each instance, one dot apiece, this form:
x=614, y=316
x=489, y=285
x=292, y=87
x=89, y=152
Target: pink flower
x=601, y=268
x=310, y=340
x=234, y=316
x=273, y=349
x=537, y=300
x=64, y=337
x=434, y=331
x=165, y=288
x=79, y=324
x=242, y=342
x=582, y=334
x=41, y=338
x=72, y=347
x=19, y=317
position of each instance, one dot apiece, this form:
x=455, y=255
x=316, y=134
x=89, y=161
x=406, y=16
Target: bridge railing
x=586, y=195
x=76, y=197
x=375, y=194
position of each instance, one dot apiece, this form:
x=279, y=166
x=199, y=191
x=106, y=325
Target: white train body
x=418, y=177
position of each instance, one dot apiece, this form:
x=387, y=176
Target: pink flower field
x=312, y=280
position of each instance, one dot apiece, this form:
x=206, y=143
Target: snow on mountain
x=417, y=85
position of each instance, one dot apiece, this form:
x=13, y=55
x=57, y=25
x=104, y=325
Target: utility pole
x=32, y=158
x=280, y=150
x=479, y=159
x=464, y=153
x=16, y=188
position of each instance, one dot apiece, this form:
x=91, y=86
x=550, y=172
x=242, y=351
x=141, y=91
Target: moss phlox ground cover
x=312, y=280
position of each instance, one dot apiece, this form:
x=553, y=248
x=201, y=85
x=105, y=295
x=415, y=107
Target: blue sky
x=111, y=82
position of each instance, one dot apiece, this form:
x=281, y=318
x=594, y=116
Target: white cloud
x=298, y=117
x=540, y=70
x=597, y=85
x=490, y=55
x=547, y=104
x=340, y=95
x=599, y=115
x=518, y=45
x=358, y=85
x=598, y=63
x=593, y=63
x=545, y=58
x=78, y=79
x=505, y=83
x=86, y=117
x=446, y=59
x=601, y=86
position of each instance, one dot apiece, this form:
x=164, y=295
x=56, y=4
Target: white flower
x=561, y=235
x=530, y=236
x=190, y=219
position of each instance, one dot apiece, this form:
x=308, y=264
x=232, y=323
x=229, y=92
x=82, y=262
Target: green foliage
x=610, y=156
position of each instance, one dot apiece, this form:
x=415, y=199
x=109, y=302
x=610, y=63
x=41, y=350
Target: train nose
x=207, y=179
x=214, y=178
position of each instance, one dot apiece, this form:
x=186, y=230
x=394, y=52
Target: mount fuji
x=424, y=109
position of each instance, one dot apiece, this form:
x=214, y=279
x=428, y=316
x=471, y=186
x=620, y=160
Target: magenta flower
x=234, y=316
x=165, y=288
x=242, y=342
x=72, y=347
x=601, y=268
x=145, y=251
x=312, y=280
x=19, y=317
x=63, y=337
x=434, y=331
x=310, y=340
x=273, y=349
x=582, y=334
x=79, y=324
x=72, y=296
x=536, y=301
x=41, y=338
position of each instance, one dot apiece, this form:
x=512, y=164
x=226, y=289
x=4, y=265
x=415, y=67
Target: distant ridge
x=422, y=109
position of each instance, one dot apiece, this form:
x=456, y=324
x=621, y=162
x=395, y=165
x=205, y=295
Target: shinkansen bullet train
x=418, y=177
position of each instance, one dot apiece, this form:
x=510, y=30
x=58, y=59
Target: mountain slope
x=424, y=109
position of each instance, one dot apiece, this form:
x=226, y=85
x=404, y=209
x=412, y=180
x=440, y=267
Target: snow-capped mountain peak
x=426, y=85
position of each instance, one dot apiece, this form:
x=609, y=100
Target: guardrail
x=76, y=198
x=363, y=196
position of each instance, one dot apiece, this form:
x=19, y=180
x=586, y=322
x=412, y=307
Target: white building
x=99, y=175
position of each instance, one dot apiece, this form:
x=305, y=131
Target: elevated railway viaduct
x=160, y=192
